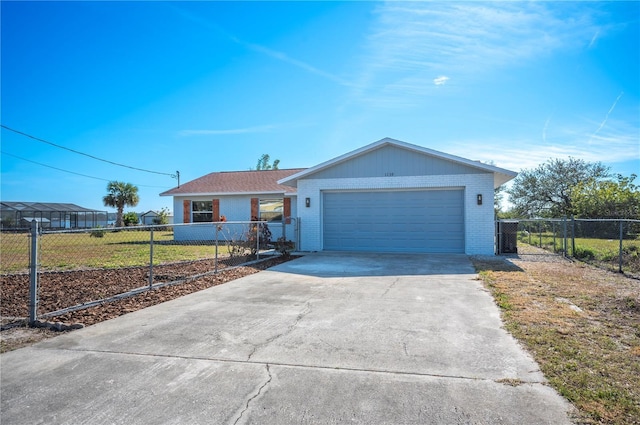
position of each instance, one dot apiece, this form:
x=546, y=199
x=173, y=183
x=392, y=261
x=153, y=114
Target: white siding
x=388, y=161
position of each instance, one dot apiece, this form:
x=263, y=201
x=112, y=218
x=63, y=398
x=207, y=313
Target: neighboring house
x=148, y=217
x=389, y=196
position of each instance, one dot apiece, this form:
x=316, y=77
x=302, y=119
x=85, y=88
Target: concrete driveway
x=325, y=339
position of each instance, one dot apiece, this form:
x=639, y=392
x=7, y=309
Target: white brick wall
x=479, y=230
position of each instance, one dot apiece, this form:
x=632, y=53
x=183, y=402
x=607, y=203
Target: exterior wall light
x=479, y=198
x=307, y=202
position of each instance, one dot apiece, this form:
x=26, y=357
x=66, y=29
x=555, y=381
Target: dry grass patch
x=581, y=324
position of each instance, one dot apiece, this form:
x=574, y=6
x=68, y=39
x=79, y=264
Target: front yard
x=580, y=323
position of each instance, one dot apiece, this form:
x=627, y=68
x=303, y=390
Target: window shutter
x=255, y=212
x=215, y=209
x=286, y=207
x=186, y=211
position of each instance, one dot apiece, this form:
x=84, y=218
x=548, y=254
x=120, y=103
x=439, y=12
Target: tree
x=119, y=195
x=607, y=198
x=498, y=198
x=547, y=190
x=263, y=163
x=162, y=217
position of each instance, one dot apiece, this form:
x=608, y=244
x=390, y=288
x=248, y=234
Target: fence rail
x=613, y=244
x=48, y=273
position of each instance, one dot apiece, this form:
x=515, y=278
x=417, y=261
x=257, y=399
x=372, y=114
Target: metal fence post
x=33, y=274
x=620, y=252
x=573, y=236
x=258, y=240
x=564, y=234
x=284, y=228
x=151, y=259
x=540, y=233
x=216, y=258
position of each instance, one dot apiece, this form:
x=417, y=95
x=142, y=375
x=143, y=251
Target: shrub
x=97, y=233
x=252, y=234
x=584, y=253
x=130, y=219
x=284, y=247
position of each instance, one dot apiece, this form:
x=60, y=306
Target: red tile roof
x=236, y=182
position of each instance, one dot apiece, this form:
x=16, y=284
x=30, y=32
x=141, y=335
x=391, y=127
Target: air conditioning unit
x=507, y=236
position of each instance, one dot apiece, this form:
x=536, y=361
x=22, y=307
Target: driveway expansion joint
x=302, y=366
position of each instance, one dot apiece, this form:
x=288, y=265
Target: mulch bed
x=58, y=290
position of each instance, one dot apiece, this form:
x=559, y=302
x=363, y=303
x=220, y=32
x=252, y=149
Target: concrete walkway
x=325, y=339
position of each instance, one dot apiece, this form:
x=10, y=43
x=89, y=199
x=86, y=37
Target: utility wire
x=85, y=154
x=70, y=172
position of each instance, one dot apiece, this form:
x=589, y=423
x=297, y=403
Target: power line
x=70, y=172
x=85, y=154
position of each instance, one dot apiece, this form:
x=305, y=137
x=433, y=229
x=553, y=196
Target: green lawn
x=601, y=251
x=116, y=249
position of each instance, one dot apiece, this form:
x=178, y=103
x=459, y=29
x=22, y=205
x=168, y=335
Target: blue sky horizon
x=199, y=87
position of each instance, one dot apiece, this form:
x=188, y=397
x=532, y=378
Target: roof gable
x=236, y=182
x=389, y=157
x=392, y=160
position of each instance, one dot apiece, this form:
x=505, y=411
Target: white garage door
x=399, y=221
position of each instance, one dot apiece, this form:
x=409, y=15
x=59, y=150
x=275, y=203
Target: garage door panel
x=404, y=221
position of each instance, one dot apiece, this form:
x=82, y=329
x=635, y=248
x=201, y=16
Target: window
x=201, y=211
x=271, y=209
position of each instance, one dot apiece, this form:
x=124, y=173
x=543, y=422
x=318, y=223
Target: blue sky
x=211, y=86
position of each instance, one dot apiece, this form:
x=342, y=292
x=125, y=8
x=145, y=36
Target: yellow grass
x=581, y=324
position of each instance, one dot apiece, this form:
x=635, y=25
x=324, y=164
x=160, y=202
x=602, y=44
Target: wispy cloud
x=292, y=61
x=617, y=142
x=511, y=154
x=594, y=39
x=604, y=121
x=411, y=42
x=441, y=80
x=281, y=56
x=223, y=132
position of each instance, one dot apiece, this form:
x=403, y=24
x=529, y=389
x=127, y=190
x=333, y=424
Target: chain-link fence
x=48, y=273
x=611, y=244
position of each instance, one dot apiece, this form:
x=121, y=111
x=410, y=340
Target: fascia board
x=285, y=194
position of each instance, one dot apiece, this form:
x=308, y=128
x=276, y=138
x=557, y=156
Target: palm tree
x=119, y=195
